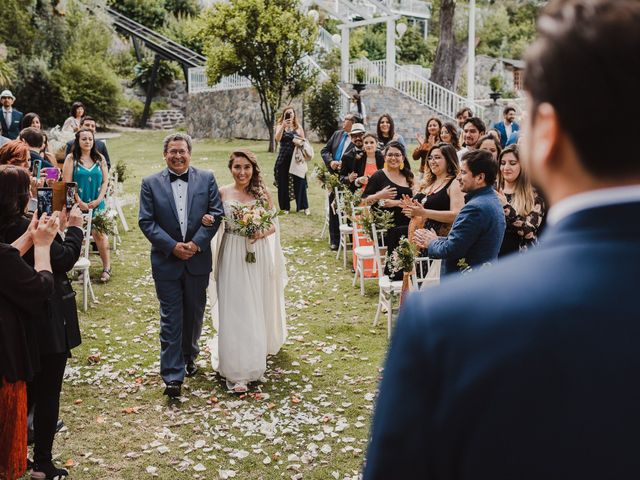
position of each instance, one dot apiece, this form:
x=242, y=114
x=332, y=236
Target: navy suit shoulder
x=531, y=359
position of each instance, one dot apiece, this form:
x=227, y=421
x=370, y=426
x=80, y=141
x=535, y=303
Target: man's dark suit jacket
x=329, y=150
x=350, y=165
x=525, y=370
x=500, y=126
x=101, y=147
x=11, y=131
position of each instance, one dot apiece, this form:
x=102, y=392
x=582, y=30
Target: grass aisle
x=311, y=419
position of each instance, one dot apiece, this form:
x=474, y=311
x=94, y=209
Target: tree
x=264, y=41
x=323, y=108
x=451, y=52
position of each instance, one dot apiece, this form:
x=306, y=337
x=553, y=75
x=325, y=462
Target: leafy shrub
x=186, y=7
x=323, y=108
x=185, y=30
x=142, y=73
x=150, y=13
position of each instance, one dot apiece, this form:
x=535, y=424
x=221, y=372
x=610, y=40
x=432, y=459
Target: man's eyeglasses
x=177, y=152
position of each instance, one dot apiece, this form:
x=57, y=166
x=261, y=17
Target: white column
x=344, y=54
x=391, y=53
x=471, y=64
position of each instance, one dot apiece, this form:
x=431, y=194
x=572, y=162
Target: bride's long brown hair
x=256, y=186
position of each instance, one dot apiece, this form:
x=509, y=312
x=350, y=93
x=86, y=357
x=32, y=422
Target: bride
x=247, y=298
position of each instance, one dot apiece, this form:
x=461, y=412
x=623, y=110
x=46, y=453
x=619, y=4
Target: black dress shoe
x=334, y=247
x=172, y=390
x=191, y=369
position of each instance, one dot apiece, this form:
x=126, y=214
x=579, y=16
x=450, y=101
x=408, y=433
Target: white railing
x=421, y=89
x=325, y=40
x=198, y=82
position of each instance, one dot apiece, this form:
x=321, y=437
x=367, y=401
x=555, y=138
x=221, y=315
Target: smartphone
x=70, y=194
x=287, y=115
x=45, y=201
x=35, y=168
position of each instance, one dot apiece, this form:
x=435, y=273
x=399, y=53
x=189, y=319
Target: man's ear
x=544, y=138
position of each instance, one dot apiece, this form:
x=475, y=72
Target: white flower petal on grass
x=151, y=470
x=199, y=468
x=225, y=474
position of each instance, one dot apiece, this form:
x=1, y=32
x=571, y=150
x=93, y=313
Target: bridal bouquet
x=248, y=220
x=403, y=258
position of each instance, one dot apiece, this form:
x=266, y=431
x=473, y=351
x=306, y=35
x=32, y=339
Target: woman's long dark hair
x=256, y=186
x=406, y=171
x=14, y=195
x=453, y=131
x=392, y=128
x=77, y=152
x=28, y=119
x=426, y=128
x=450, y=158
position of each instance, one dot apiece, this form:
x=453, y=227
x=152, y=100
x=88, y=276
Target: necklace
x=436, y=187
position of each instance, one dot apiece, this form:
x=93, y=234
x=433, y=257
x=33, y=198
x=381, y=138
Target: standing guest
x=385, y=190
x=463, y=115
x=529, y=370
x=173, y=203
x=23, y=291
x=439, y=198
x=11, y=118
x=386, y=131
x=31, y=120
x=34, y=139
x=449, y=134
x=101, y=146
x=287, y=129
x=338, y=145
x=72, y=123
x=524, y=208
x=85, y=166
x=473, y=129
x=431, y=137
x=57, y=330
x=491, y=145
x=507, y=126
x=358, y=167
x=250, y=313
x=476, y=234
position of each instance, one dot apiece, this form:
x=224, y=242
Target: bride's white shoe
x=239, y=387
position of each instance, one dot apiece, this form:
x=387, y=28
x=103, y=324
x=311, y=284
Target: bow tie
x=184, y=177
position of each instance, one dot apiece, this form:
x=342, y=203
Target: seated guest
x=72, y=123
x=35, y=141
x=431, y=137
x=386, y=132
x=57, y=326
x=23, y=293
x=386, y=188
x=439, y=198
x=449, y=134
x=524, y=208
x=491, y=145
x=357, y=168
x=90, y=123
x=477, y=232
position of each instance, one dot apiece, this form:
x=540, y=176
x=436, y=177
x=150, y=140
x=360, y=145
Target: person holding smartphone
x=287, y=129
x=88, y=168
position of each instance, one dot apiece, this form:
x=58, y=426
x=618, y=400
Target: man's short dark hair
x=477, y=122
x=32, y=137
x=582, y=64
x=481, y=161
x=87, y=118
x=463, y=110
x=508, y=109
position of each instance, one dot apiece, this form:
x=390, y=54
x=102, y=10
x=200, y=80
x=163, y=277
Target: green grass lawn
x=312, y=417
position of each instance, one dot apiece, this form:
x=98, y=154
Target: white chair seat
x=365, y=251
x=82, y=263
x=346, y=229
x=387, y=284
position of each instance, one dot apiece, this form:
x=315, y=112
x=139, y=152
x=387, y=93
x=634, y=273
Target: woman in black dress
x=57, y=329
x=289, y=186
x=386, y=189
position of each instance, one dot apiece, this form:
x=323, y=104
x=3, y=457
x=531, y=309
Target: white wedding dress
x=247, y=303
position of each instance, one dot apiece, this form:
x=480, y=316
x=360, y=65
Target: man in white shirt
x=473, y=129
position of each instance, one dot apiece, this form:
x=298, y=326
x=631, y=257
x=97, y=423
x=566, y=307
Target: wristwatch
x=381, y=202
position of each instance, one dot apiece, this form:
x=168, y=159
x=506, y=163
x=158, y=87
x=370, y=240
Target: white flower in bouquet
x=249, y=220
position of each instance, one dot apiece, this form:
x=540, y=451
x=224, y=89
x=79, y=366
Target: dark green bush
x=150, y=13
x=323, y=108
x=167, y=71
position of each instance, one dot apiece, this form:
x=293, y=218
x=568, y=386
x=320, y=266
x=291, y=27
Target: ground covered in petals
x=309, y=419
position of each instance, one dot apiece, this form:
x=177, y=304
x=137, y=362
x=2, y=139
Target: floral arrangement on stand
x=249, y=220
x=105, y=222
x=328, y=181
x=403, y=258
x=382, y=219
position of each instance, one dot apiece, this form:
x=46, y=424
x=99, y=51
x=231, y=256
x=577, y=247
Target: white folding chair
x=346, y=230
x=388, y=289
x=83, y=264
x=113, y=200
x=362, y=253
x=426, y=273
x=327, y=209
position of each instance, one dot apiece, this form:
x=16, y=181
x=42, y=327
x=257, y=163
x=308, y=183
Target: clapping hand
x=412, y=208
x=353, y=176
x=423, y=237
x=335, y=165
x=420, y=139
x=387, y=193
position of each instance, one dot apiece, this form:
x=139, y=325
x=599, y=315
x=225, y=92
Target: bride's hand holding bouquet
x=254, y=222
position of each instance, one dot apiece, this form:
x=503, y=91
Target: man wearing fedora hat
x=10, y=118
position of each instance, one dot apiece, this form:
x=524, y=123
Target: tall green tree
x=264, y=41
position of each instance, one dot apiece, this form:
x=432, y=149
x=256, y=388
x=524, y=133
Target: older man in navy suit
x=529, y=369
x=11, y=118
x=172, y=204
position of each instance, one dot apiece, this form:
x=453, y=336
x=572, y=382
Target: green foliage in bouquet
x=382, y=219
x=327, y=180
x=104, y=222
x=352, y=200
x=403, y=258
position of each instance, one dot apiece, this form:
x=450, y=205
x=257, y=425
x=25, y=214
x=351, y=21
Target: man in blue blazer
x=10, y=118
x=172, y=204
x=529, y=369
x=508, y=126
x=477, y=232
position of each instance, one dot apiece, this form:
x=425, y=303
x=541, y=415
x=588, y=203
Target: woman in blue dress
x=85, y=166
